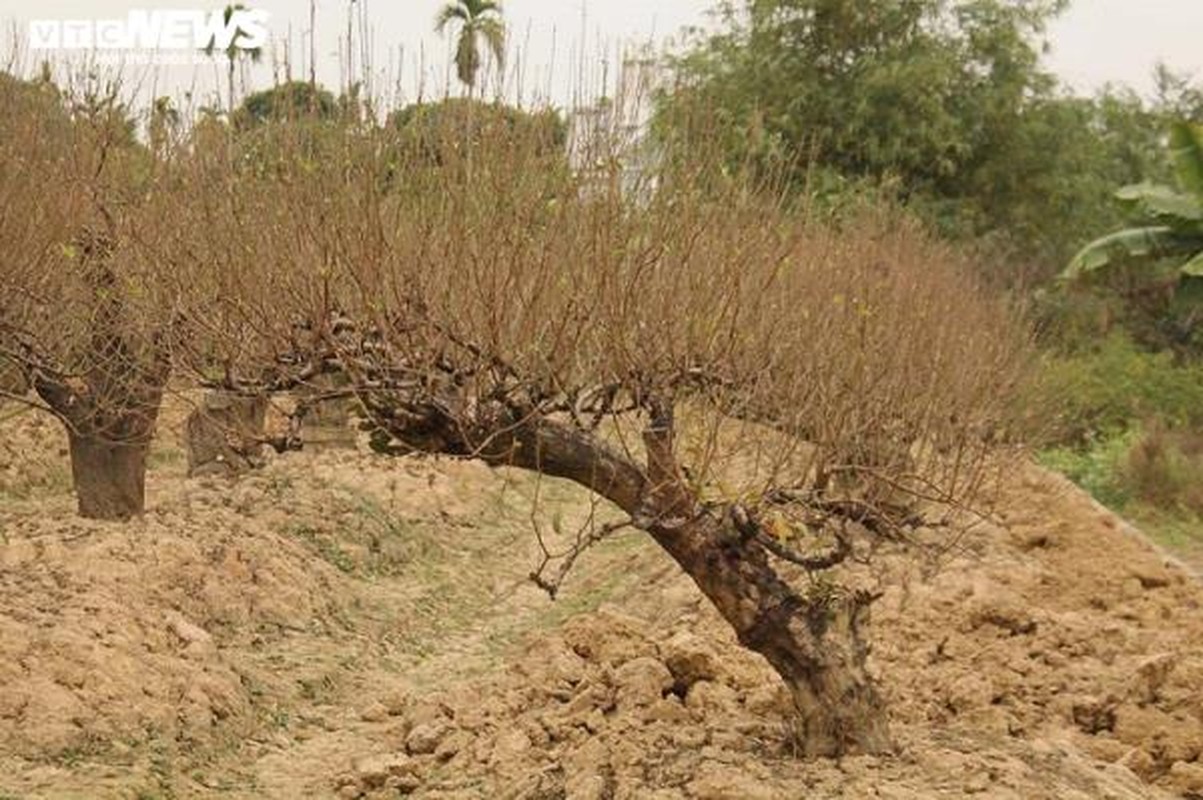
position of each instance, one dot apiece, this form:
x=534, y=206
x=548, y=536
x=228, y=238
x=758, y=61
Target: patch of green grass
x=575, y=599
x=1097, y=467
x=153, y=793
x=279, y=718
x=320, y=689
x=163, y=456
x=90, y=748
x=279, y=486
x=1158, y=493
x=392, y=541
x=1175, y=530
x=161, y=767
x=37, y=480
x=325, y=547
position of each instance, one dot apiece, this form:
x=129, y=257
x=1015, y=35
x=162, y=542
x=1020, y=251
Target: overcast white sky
x=1098, y=41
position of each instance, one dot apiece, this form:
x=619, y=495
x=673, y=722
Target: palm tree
x=478, y=19
x=233, y=52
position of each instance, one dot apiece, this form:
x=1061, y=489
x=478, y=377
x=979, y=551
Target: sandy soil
x=343, y=625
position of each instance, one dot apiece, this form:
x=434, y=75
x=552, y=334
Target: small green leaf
x=1194, y=267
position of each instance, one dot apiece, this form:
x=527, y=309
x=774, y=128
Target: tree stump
x=326, y=417
x=226, y=434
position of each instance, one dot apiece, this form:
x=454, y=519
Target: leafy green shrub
x=1071, y=323
x=1097, y=467
x=286, y=102
x=438, y=130
x=1151, y=473
x=1104, y=392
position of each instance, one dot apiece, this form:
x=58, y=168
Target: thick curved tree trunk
x=109, y=477
x=813, y=642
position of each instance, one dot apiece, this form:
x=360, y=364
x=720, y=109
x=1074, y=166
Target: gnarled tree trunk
x=813, y=642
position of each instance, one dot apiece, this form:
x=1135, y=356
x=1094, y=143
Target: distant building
x=609, y=142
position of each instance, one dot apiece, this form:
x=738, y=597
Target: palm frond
x=448, y=13
x=479, y=8
x=493, y=31
x=1194, y=267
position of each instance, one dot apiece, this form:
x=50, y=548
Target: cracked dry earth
x=338, y=625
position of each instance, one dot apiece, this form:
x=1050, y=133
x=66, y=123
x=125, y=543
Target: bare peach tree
x=82, y=314
x=251, y=257
x=768, y=398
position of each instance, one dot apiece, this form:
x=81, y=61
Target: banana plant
x=1172, y=218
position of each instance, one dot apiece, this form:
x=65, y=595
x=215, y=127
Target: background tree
x=164, y=125
x=479, y=21
x=84, y=313
x=286, y=102
x=1174, y=216
x=944, y=107
x=443, y=132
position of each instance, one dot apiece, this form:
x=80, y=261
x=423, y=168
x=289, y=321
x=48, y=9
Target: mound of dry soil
x=338, y=625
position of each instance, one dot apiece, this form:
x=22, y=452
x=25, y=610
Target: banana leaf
x=1163, y=205
x=1186, y=150
x=1148, y=242
x=1194, y=267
